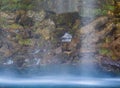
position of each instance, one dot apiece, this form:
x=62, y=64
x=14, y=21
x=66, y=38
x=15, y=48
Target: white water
x=87, y=45
x=63, y=6
x=57, y=81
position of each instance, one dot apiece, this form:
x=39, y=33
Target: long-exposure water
x=84, y=75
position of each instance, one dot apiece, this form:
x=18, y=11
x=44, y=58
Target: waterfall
x=87, y=45
x=62, y=6
x=43, y=65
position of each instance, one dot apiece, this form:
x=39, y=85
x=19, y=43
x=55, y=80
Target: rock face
x=17, y=47
x=109, y=64
x=35, y=38
x=37, y=44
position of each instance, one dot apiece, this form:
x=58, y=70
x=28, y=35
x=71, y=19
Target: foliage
x=22, y=41
x=13, y=5
x=2, y=22
x=103, y=7
x=25, y=42
x=104, y=51
x=105, y=10
x=14, y=26
x=108, y=53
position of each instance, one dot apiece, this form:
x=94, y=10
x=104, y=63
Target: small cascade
x=87, y=45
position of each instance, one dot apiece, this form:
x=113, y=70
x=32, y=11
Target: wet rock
x=45, y=29
x=116, y=47
x=67, y=19
x=8, y=62
x=1, y=44
x=6, y=18
x=7, y=15
x=19, y=61
x=27, y=51
x=37, y=16
x=57, y=50
x=42, y=47
x=109, y=64
x=5, y=50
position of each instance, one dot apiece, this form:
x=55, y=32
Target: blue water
x=55, y=82
x=57, y=76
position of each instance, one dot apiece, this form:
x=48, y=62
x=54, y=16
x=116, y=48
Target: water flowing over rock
x=62, y=6
x=37, y=45
x=34, y=38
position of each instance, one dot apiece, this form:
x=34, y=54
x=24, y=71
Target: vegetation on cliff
x=35, y=34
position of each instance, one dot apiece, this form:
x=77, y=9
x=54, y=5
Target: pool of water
x=60, y=82
x=57, y=76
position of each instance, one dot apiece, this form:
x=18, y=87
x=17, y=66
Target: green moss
x=105, y=51
x=18, y=37
x=108, y=53
x=14, y=26
x=11, y=5
x=114, y=57
x=3, y=22
x=25, y=42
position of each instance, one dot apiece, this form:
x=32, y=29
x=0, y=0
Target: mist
x=64, y=58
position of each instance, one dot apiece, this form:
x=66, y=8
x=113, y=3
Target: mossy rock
x=25, y=42
x=3, y=22
x=14, y=26
x=67, y=19
x=117, y=31
x=108, y=53
x=45, y=29
x=22, y=41
x=19, y=61
x=105, y=51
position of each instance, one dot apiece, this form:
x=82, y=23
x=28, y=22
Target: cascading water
x=62, y=6
x=84, y=74
x=87, y=43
